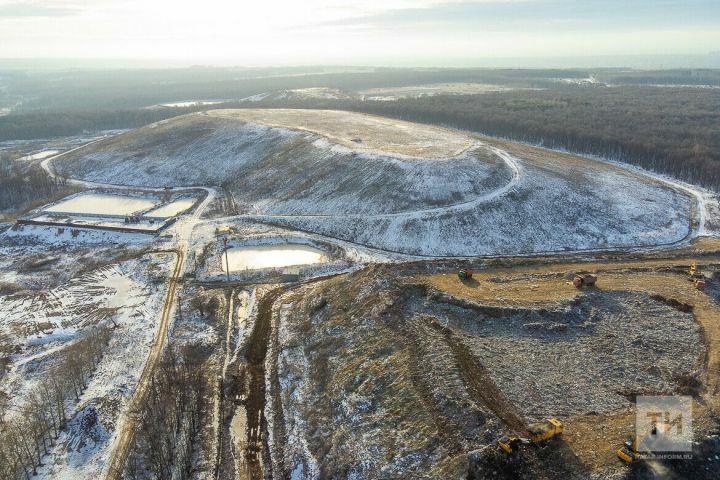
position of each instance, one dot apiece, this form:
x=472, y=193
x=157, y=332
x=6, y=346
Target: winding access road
x=127, y=426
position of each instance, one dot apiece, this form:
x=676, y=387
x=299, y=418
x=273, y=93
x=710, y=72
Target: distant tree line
x=48, y=124
x=171, y=419
x=114, y=90
x=674, y=131
x=28, y=433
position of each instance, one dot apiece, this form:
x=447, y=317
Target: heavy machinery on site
x=539, y=433
x=584, y=280
x=628, y=453
x=695, y=276
x=465, y=274
x=632, y=451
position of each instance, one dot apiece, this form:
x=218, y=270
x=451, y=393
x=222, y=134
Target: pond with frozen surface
x=103, y=204
x=271, y=256
x=173, y=208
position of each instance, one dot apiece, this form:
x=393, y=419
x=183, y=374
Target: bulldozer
x=695, y=276
x=628, y=452
x=631, y=451
x=694, y=271
x=539, y=432
x=586, y=280
x=465, y=274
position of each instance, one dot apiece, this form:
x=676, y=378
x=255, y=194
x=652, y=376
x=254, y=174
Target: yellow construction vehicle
x=628, y=452
x=539, y=432
x=510, y=444
x=695, y=276
x=543, y=431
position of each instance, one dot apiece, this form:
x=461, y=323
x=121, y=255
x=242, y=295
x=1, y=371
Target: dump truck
x=543, y=431
x=538, y=433
x=586, y=280
x=465, y=274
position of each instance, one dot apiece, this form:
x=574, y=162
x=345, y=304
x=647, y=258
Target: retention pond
x=271, y=256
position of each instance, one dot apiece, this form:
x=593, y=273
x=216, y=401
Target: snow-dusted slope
x=545, y=212
x=395, y=185
x=282, y=171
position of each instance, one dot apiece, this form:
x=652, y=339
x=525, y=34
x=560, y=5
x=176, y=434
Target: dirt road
x=128, y=423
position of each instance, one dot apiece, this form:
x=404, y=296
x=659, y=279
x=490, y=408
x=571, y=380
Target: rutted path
x=511, y=162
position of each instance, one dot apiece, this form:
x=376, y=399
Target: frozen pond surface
x=271, y=256
x=173, y=208
x=103, y=204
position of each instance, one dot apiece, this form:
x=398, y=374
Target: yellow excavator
x=628, y=452
x=695, y=276
x=538, y=433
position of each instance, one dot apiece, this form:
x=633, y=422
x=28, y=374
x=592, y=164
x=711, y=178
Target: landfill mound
x=373, y=375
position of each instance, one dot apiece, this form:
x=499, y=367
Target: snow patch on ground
x=126, y=297
x=74, y=236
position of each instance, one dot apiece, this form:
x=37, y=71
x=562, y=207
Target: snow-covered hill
x=395, y=185
x=272, y=170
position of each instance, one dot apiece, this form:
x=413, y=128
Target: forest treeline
x=170, y=421
x=670, y=130
x=674, y=131
x=21, y=182
x=49, y=124
x=28, y=433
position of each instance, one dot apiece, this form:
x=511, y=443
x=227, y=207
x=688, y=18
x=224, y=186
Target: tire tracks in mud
x=250, y=384
x=479, y=382
x=444, y=424
x=220, y=408
x=475, y=377
x=259, y=460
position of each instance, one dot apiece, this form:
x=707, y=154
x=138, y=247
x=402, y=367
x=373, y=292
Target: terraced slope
x=395, y=185
x=275, y=170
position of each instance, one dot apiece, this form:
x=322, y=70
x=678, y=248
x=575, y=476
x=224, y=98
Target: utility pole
x=227, y=263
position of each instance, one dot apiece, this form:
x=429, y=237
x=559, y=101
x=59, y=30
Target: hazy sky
x=387, y=32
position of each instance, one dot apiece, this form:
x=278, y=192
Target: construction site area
x=325, y=294
x=393, y=366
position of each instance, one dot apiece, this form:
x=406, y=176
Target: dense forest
x=21, y=183
x=48, y=124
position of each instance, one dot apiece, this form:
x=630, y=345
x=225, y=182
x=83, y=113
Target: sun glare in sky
x=401, y=32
